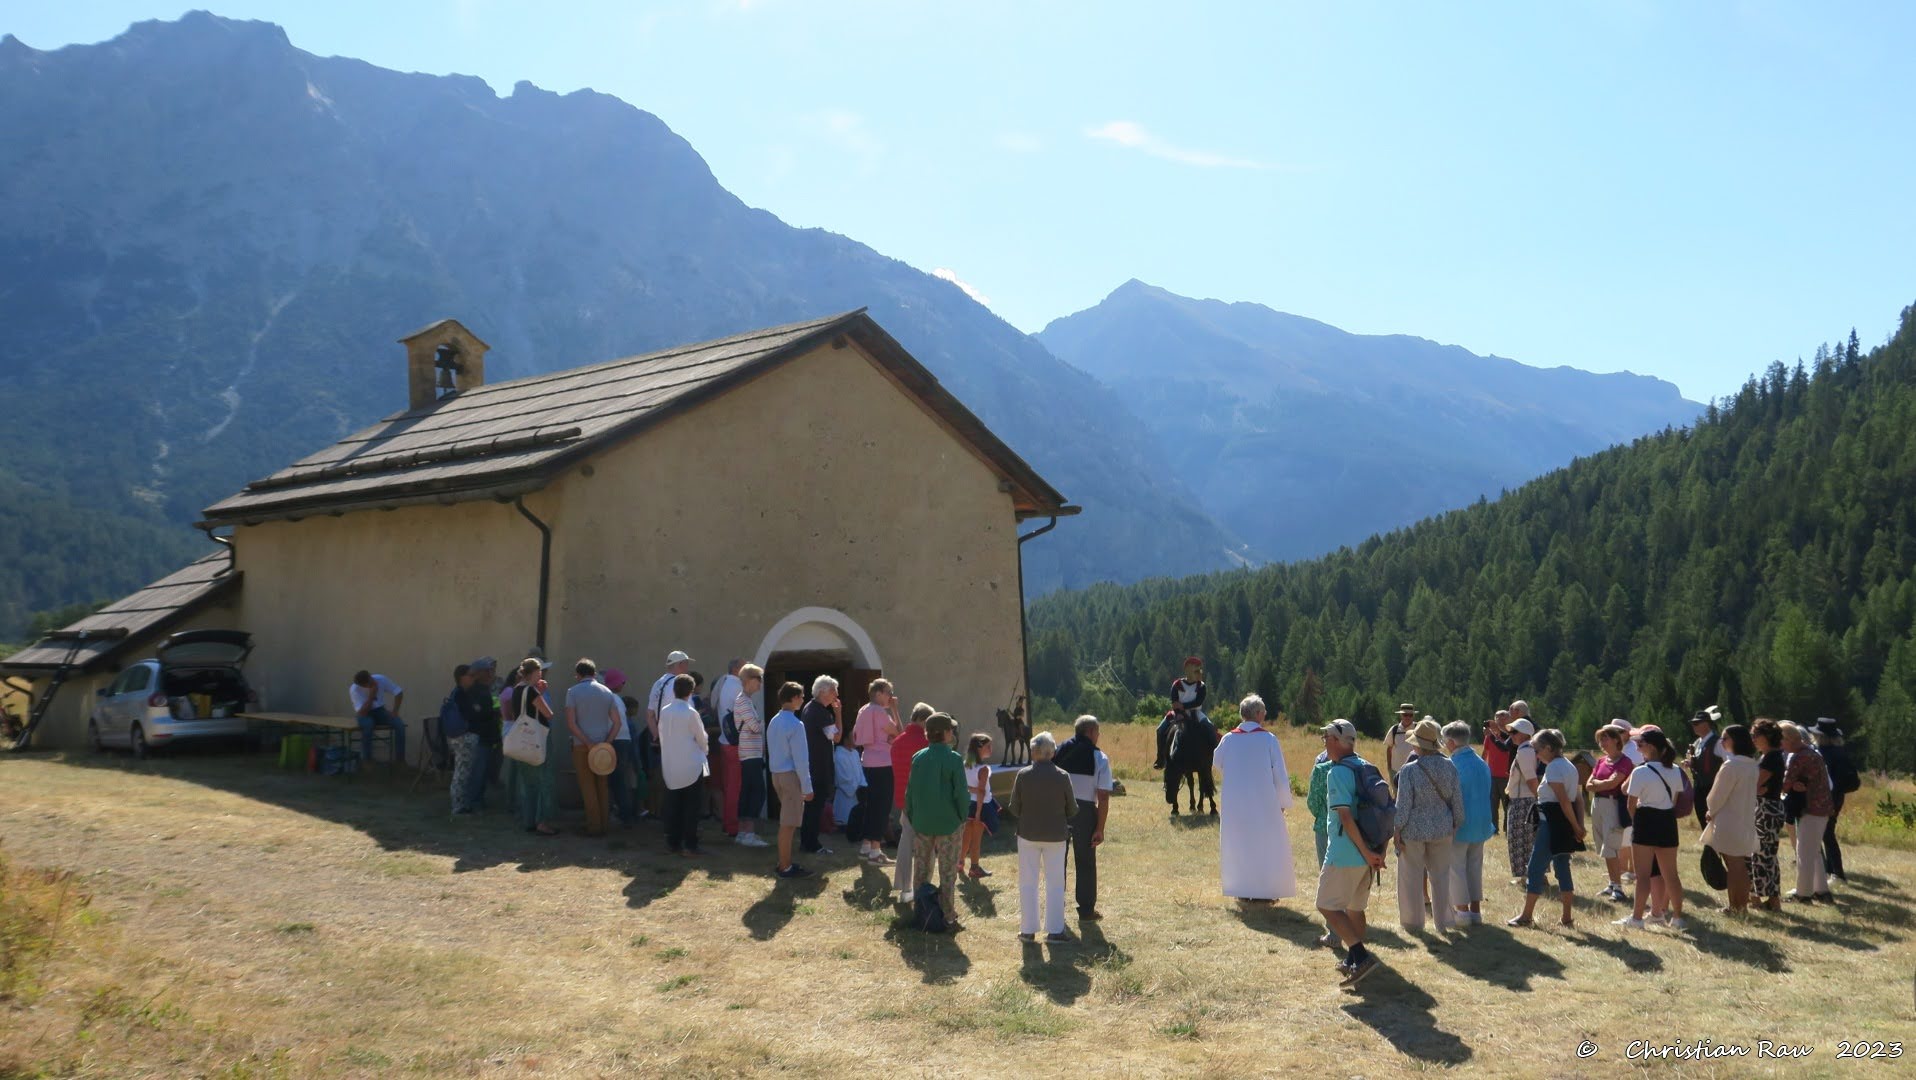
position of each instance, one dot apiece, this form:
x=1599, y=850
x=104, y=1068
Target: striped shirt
x=751, y=730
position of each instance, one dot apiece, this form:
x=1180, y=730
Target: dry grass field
x=213, y=916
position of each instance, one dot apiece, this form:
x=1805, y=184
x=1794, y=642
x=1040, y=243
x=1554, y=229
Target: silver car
x=191, y=689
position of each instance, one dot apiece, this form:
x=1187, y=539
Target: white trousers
x=1467, y=873
x=1811, y=877
x=1034, y=855
x=901, y=871
x=1423, y=859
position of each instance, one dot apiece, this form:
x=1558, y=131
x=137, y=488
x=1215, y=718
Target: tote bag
x=526, y=739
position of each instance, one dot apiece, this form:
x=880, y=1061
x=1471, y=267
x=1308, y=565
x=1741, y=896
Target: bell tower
x=441, y=360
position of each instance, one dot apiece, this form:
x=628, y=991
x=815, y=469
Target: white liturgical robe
x=1254, y=845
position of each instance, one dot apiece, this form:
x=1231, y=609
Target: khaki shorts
x=791, y=799
x=1344, y=888
x=1612, y=837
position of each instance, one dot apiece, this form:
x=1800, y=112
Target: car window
x=138, y=678
x=120, y=684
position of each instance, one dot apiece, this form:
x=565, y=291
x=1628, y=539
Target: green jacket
x=1320, y=779
x=936, y=798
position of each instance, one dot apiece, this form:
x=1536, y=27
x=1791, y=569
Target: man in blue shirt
x=1343, y=884
x=789, y=761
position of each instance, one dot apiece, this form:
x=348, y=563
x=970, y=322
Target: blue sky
x=1685, y=189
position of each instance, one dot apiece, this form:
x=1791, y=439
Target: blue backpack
x=452, y=722
x=1374, y=810
x=928, y=912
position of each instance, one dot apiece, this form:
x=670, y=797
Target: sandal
x=1519, y=920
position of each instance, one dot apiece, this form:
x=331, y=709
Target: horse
x=1191, y=742
x=1017, y=734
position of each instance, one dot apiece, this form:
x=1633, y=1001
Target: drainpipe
x=1024, y=624
x=545, y=567
x=232, y=556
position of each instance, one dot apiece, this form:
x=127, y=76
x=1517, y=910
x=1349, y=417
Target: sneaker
x=753, y=840
x=1675, y=923
x=1628, y=922
x=1629, y=877
x=1827, y=898
x=1089, y=916
x=1327, y=939
x=1656, y=920
x=794, y=871
x=1059, y=938
x=1791, y=898
x=1362, y=968
x=1027, y=938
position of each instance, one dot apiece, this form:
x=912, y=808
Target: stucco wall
x=818, y=484
x=65, y=725
x=409, y=593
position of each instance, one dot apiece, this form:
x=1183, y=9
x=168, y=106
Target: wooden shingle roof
x=129, y=619
x=508, y=438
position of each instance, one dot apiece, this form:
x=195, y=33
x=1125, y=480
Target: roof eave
x=501, y=490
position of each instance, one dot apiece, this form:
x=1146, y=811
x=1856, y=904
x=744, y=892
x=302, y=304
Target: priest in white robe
x=1254, y=844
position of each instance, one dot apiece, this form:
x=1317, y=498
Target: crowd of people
x=1436, y=803
x=1444, y=793
x=687, y=757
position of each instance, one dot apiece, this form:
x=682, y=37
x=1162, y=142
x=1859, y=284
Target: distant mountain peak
x=1371, y=432
x=206, y=28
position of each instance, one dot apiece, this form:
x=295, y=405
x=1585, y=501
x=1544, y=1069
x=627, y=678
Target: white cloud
x=947, y=274
x=1133, y=136
x=847, y=131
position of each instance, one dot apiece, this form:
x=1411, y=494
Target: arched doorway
x=814, y=641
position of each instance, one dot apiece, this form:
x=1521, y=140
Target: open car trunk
x=200, y=673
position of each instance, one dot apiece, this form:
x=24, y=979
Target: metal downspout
x=1024, y=623
x=545, y=567
x=232, y=555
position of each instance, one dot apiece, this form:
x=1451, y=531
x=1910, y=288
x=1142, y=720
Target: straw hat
x=601, y=759
x=1427, y=735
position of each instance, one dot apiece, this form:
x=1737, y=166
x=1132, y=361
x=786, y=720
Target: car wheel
x=137, y=740
x=93, y=743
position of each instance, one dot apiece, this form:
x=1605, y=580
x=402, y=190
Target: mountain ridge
x=1256, y=410
x=242, y=228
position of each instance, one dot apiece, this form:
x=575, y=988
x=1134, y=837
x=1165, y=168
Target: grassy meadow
x=205, y=914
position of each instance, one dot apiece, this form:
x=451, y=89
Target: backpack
x=452, y=722
x=928, y=913
x=1682, y=803
x=1843, y=776
x=1375, y=811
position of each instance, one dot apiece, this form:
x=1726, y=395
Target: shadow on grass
x=1854, y=934
x=1494, y=955
x=1300, y=928
x=872, y=890
x=936, y=958
x=384, y=805
x=1737, y=944
x=1405, y=1016
x=1193, y=822
x=978, y=897
x=1872, y=883
x=1632, y=957
x=1853, y=905
x=1063, y=972
x=770, y=913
